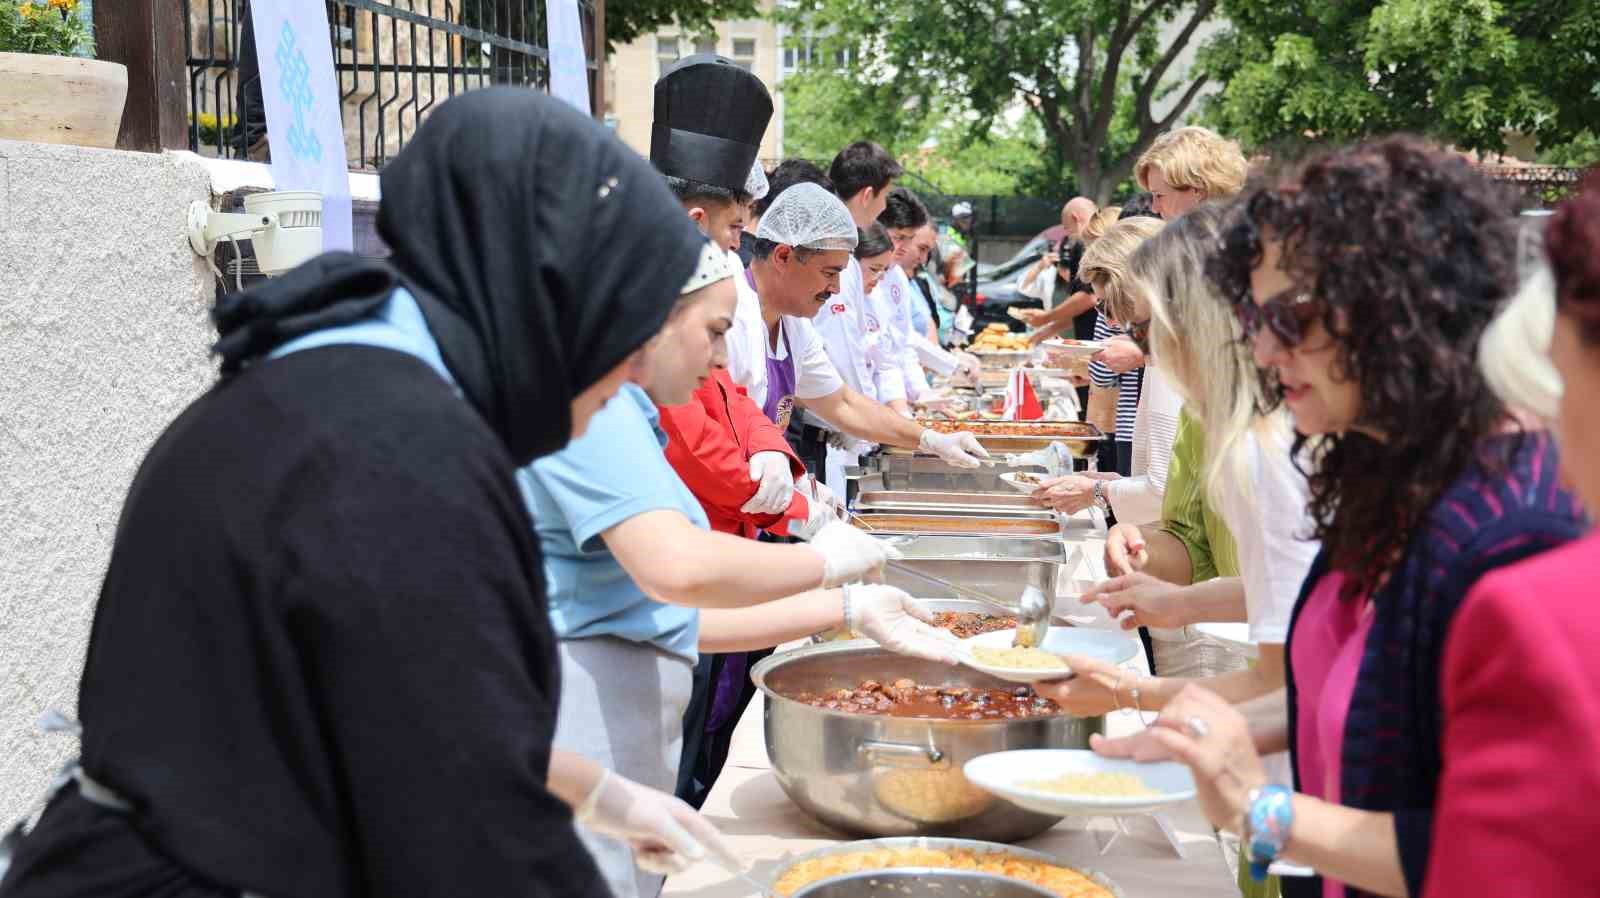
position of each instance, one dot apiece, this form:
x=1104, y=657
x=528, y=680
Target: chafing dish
x=1022, y=436
x=935, y=843
x=896, y=776
x=1006, y=359
x=1003, y=567
x=915, y=472
x=1036, y=525
x=941, y=502
x=906, y=881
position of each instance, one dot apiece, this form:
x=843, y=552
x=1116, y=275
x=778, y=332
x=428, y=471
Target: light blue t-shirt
x=617, y=470
x=398, y=325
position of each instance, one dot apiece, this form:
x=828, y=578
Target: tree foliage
x=627, y=20
x=1466, y=72
x=822, y=114
x=1091, y=73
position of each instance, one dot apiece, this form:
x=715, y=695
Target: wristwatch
x=1100, y=496
x=1268, y=818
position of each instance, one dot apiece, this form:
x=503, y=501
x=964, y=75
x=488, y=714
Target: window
x=707, y=44
x=744, y=53
x=666, y=52
x=807, y=51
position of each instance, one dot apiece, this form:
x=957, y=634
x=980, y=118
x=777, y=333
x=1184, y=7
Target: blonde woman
x=1185, y=167
x=1136, y=498
x=1247, y=474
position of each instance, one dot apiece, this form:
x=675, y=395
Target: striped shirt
x=1127, y=385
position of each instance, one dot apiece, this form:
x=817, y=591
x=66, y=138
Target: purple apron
x=780, y=376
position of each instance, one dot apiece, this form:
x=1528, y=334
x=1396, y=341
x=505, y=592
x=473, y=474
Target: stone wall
x=103, y=339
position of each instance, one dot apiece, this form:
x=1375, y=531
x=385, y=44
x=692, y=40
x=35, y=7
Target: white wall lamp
x=283, y=226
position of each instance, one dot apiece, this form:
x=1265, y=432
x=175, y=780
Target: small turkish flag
x=1022, y=404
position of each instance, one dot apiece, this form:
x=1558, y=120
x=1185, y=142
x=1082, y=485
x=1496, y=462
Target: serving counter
x=767, y=830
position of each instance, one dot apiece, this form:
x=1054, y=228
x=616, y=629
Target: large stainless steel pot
x=983, y=849
x=890, y=776
x=905, y=881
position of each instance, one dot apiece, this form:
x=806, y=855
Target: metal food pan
x=945, y=844
x=1043, y=526
x=1002, y=567
x=912, y=472
x=946, y=502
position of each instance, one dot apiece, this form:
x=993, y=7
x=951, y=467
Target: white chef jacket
x=748, y=349
x=842, y=325
x=893, y=297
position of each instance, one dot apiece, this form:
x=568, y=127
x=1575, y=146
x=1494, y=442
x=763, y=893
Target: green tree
x=1091, y=73
x=1466, y=72
x=823, y=112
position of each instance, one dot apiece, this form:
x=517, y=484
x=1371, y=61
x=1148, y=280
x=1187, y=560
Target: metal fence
x=1541, y=186
x=396, y=60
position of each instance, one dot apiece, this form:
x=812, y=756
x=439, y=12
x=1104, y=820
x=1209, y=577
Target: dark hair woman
x=321, y=662
x=1363, y=281
x=1522, y=687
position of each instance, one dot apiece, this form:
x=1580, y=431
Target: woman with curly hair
x=1363, y=281
x=1520, y=693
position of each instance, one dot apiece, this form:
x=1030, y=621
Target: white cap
x=712, y=267
x=810, y=216
x=962, y=209
x=756, y=184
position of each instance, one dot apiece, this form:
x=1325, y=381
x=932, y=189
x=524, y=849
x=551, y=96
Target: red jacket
x=1518, y=810
x=710, y=440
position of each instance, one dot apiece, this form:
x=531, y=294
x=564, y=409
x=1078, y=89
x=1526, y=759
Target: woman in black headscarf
x=321, y=663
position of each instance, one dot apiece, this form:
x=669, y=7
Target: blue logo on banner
x=294, y=82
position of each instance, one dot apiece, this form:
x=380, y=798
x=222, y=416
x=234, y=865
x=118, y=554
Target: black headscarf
x=505, y=215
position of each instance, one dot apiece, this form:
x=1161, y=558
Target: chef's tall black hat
x=709, y=118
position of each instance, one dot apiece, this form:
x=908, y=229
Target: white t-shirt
x=1137, y=499
x=748, y=349
x=1269, y=518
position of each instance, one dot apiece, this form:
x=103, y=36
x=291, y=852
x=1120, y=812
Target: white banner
x=305, y=129
x=569, y=72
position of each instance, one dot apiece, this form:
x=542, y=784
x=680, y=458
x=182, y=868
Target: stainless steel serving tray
x=1003, y=567
x=927, y=473
x=1040, y=525
x=942, y=844
x=942, y=502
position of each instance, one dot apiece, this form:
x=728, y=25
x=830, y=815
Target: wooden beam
x=147, y=36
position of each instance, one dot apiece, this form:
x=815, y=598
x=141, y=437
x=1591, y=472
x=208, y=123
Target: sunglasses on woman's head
x=1287, y=315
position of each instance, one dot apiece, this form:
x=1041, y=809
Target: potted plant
x=62, y=95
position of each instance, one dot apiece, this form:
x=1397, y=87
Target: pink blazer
x=1519, y=801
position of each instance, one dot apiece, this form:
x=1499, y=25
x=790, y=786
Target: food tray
x=925, y=473
x=944, y=844
x=1002, y=358
x=1039, y=526
x=999, y=566
x=937, y=502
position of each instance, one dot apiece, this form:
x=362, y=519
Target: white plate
x=1078, y=349
x=1014, y=480
x=1106, y=645
x=1001, y=773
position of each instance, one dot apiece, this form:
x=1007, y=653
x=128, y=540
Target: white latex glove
x=959, y=449
x=897, y=622
x=666, y=834
x=848, y=554
x=822, y=508
x=777, y=484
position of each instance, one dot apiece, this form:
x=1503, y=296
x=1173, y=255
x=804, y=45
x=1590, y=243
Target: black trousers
x=811, y=444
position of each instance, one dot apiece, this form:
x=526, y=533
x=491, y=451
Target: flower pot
x=61, y=99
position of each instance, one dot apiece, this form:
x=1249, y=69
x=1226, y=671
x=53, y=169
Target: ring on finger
x=1197, y=727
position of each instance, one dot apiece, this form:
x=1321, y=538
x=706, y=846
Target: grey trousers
x=622, y=707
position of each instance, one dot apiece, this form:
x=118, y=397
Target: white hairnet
x=809, y=215
x=962, y=209
x=713, y=266
x=756, y=184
